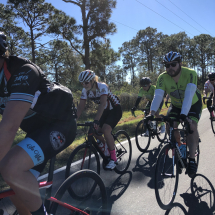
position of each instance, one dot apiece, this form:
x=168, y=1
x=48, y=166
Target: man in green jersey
x=148, y=90
x=181, y=85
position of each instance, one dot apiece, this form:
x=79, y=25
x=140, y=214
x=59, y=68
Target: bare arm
x=80, y=108
x=13, y=115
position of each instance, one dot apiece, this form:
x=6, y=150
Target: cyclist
x=209, y=87
x=43, y=110
x=148, y=90
x=109, y=112
x=181, y=85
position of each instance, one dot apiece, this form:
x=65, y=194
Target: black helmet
x=3, y=44
x=145, y=81
x=211, y=75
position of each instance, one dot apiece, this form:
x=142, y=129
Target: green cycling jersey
x=148, y=94
x=175, y=90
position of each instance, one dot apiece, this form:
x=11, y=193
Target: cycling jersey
x=22, y=80
x=209, y=86
x=175, y=90
x=149, y=94
x=101, y=89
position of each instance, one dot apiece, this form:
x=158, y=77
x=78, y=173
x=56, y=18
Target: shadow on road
x=146, y=164
x=118, y=188
x=201, y=200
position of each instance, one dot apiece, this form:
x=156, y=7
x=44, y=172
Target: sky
x=195, y=17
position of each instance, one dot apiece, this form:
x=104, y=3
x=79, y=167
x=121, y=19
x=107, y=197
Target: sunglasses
x=85, y=83
x=212, y=79
x=172, y=65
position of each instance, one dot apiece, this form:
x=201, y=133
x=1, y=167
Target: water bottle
x=103, y=147
x=182, y=148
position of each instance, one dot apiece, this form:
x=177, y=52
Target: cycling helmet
x=86, y=75
x=172, y=56
x=211, y=75
x=3, y=45
x=145, y=81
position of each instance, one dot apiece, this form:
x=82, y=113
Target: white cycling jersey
x=209, y=86
x=101, y=89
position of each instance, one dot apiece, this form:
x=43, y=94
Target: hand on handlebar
x=96, y=124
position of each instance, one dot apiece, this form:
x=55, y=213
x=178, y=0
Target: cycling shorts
x=111, y=117
x=194, y=113
x=48, y=140
x=148, y=105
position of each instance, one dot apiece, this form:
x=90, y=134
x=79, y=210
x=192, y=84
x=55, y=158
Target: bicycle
x=90, y=194
x=142, y=141
x=212, y=117
x=86, y=155
x=170, y=163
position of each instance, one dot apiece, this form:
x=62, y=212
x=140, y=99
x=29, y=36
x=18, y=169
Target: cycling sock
x=113, y=155
x=40, y=211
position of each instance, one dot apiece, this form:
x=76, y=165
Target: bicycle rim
x=142, y=142
x=166, y=182
x=212, y=123
x=161, y=136
x=95, y=204
x=203, y=190
x=123, y=151
x=79, y=159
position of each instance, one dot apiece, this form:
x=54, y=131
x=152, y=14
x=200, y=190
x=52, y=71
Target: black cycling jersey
x=22, y=80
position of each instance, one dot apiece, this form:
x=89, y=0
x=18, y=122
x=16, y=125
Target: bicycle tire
x=161, y=137
x=123, y=151
x=165, y=194
x=212, y=123
x=76, y=179
x=77, y=155
x=177, y=209
x=73, y=167
x=142, y=142
x=196, y=188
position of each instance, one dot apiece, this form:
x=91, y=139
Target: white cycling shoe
x=146, y=134
x=111, y=164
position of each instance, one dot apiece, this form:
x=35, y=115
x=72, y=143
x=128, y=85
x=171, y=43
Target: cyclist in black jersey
x=44, y=111
x=109, y=112
x=181, y=85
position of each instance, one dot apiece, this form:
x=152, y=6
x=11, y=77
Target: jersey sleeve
x=103, y=89
x=84, y=94
x=140, y=94
x=24, y=84
x=160, y=83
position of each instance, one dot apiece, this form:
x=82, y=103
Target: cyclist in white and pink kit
x=209, y=88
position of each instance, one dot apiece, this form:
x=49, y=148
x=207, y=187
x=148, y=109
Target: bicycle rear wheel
x=123, y=151
x=166, y=177
x=212, y=123
x=176, y=209
x=142, y=141
x=94, y=203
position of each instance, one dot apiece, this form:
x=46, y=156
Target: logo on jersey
x=57, y=139
x=160, y=84
x=191, y=78
x=172, y=88
x=103, y=90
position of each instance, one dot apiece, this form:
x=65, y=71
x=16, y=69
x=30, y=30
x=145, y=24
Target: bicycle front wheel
x=161, y=136
x=212, y=123
x=123, y=151
x=94, y=203
x=166, y=177
x=142, y=141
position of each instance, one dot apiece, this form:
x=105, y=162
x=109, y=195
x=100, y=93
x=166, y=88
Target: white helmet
x=86, y=75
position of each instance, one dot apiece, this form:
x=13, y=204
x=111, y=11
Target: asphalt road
x=133, y=192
